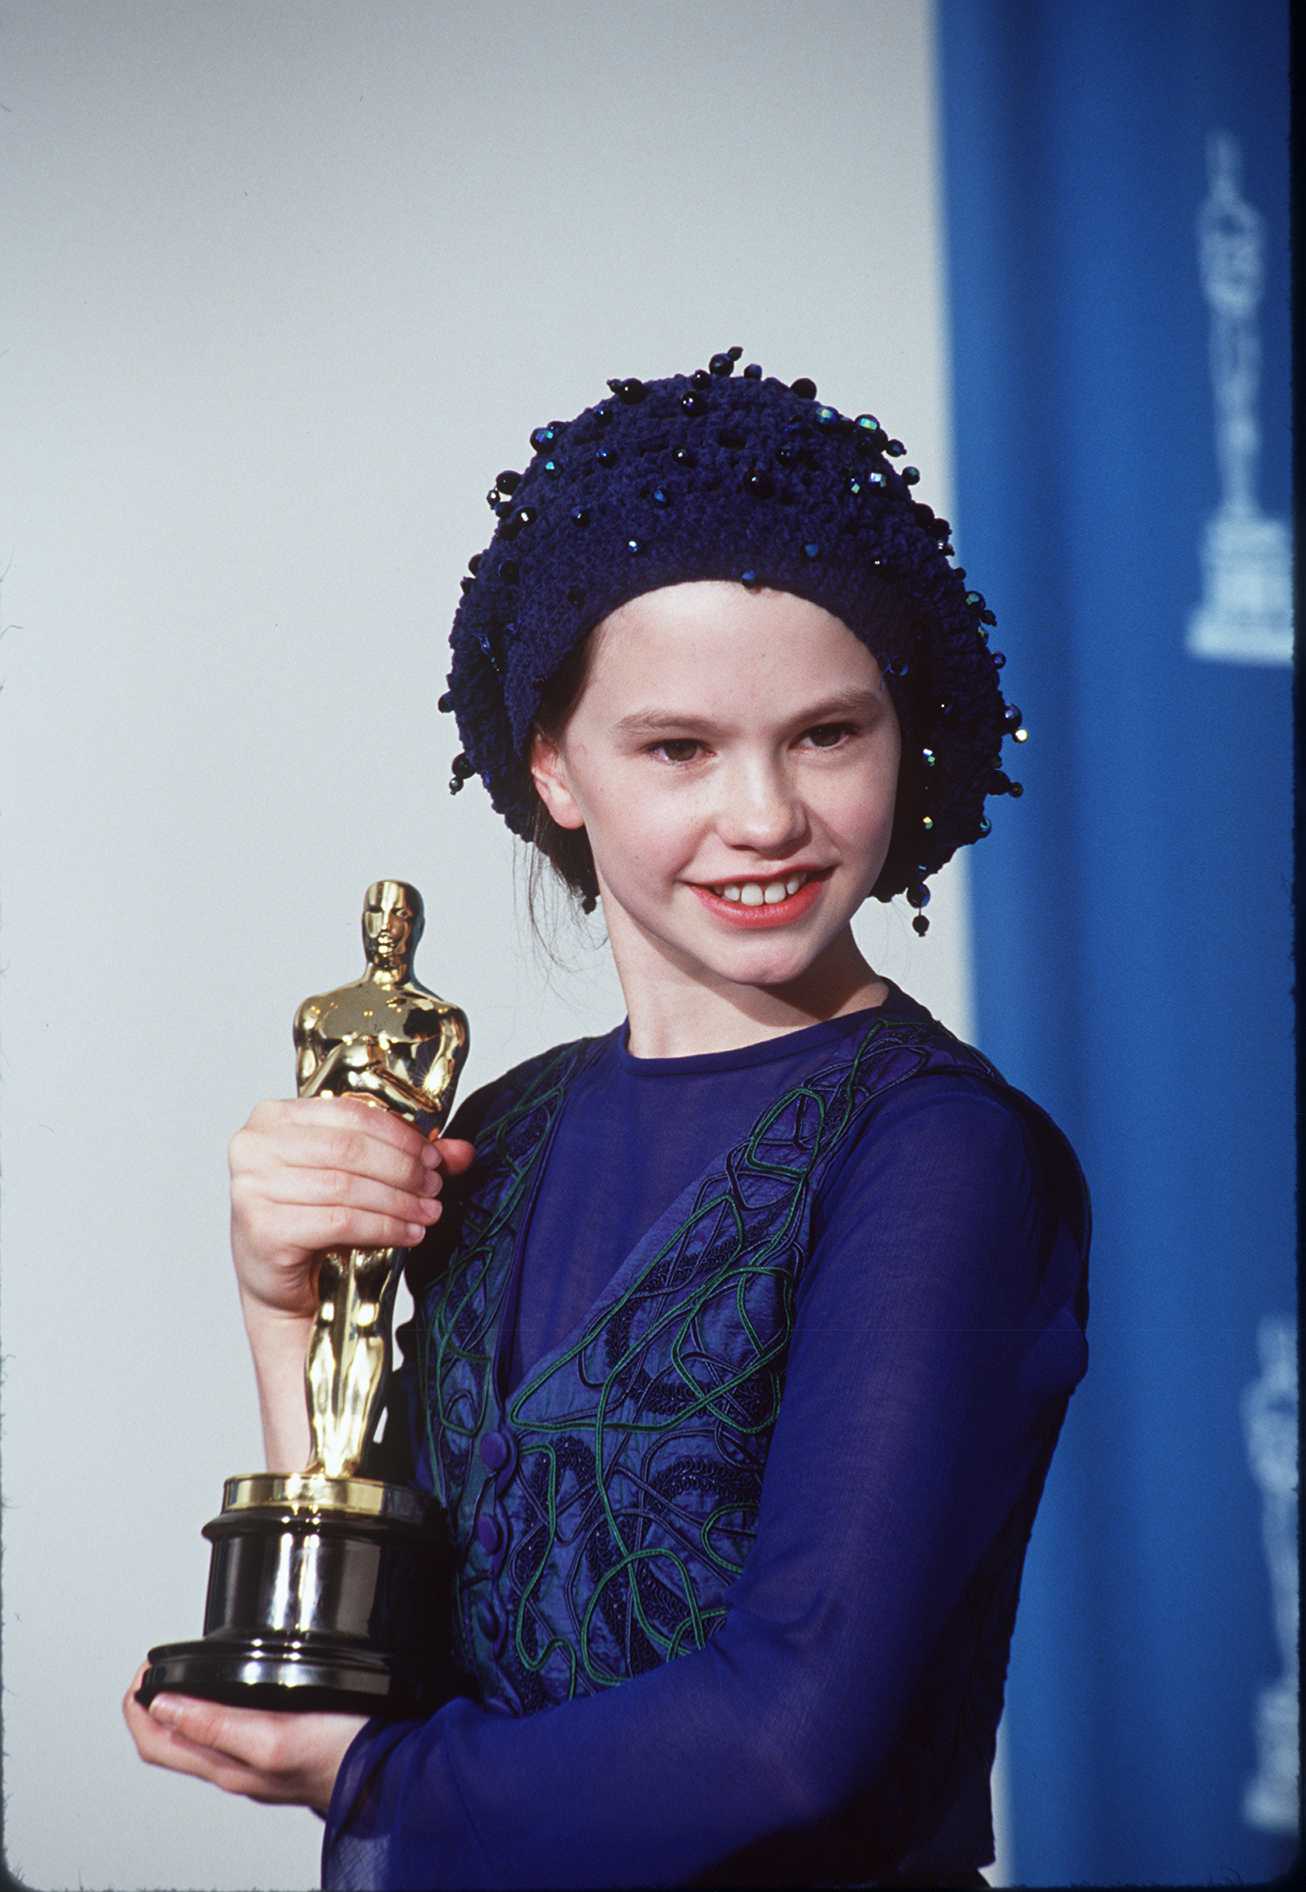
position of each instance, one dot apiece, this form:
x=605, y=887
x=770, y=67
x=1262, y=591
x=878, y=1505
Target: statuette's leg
x=348, y=1355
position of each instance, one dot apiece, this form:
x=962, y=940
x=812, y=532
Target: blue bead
x=749, y=578
x=985, y=825
x=754, y=371
x=722, y=364
x=607, y=456
x=876, y=479
x=684, y=456
x=580, y=517
x=869, y=422
x=812, y=549
x=693, y=403
x=911, y=475
x=659, y=496
x=552, y=467
x=634, y=545
x=825, y=415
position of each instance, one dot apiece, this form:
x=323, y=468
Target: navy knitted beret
x=714, y=475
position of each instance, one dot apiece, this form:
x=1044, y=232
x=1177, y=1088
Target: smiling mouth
x=770, y=892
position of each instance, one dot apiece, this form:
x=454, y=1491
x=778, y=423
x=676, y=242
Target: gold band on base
x=313, y=1492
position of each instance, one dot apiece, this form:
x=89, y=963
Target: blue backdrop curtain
x=1116, y=199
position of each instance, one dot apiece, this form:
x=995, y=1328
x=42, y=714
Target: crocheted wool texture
x=716, y=476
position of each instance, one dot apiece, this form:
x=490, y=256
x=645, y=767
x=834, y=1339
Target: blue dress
x=738, y=1377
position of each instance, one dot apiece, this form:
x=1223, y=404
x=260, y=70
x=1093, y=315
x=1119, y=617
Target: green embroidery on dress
x=672, y=1386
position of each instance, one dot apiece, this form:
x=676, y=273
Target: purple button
x=489, y=1533
x=494, y=1627
x=495, y=1450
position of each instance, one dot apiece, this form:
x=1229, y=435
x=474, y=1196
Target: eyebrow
x=642, y=722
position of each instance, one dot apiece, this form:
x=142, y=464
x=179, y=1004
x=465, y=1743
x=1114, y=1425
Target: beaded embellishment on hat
x=714, y=475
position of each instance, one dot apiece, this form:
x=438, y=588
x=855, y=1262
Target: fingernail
x=430, y=1156
x=166, y=1708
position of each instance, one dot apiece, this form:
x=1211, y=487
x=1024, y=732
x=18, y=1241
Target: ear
x=550, y=777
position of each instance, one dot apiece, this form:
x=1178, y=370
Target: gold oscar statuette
x=328, y=1588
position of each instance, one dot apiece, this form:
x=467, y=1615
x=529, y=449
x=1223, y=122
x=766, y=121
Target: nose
x=761, y=808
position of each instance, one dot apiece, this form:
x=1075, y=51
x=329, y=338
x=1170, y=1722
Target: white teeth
x=754, y=893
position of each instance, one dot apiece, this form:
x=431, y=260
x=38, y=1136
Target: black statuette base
x=319, y=1610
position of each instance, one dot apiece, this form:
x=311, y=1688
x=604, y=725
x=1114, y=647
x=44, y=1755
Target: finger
x=456, y=1154
x=342, y=1145
x=292, y=1225
x=165, y=1748
x=348, y=1113
x=314, y=1188
x=254, y=1737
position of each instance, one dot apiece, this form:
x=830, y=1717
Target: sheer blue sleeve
x=934, y=1347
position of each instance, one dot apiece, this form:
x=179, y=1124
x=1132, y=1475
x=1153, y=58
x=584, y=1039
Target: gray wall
x=286, y=285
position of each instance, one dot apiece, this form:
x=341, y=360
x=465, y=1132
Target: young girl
x=744, y=1338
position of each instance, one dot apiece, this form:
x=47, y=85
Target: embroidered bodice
x=646, y=1500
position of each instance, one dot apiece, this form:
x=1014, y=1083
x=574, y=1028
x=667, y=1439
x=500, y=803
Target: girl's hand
x=266, y=1755
x=309, y=1173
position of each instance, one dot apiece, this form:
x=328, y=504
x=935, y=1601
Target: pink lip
x=793, y=907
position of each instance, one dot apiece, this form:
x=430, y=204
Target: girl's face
x=728, y=747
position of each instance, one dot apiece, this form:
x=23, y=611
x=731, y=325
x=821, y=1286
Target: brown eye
x=674, y=748
x=830, y=735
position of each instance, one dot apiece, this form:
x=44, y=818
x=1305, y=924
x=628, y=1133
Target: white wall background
x=285, y=286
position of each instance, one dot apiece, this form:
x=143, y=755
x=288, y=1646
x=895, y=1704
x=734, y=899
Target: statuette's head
x=393, y=919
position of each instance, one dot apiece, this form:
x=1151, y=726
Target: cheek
x=861, y=812
x=637, y=824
